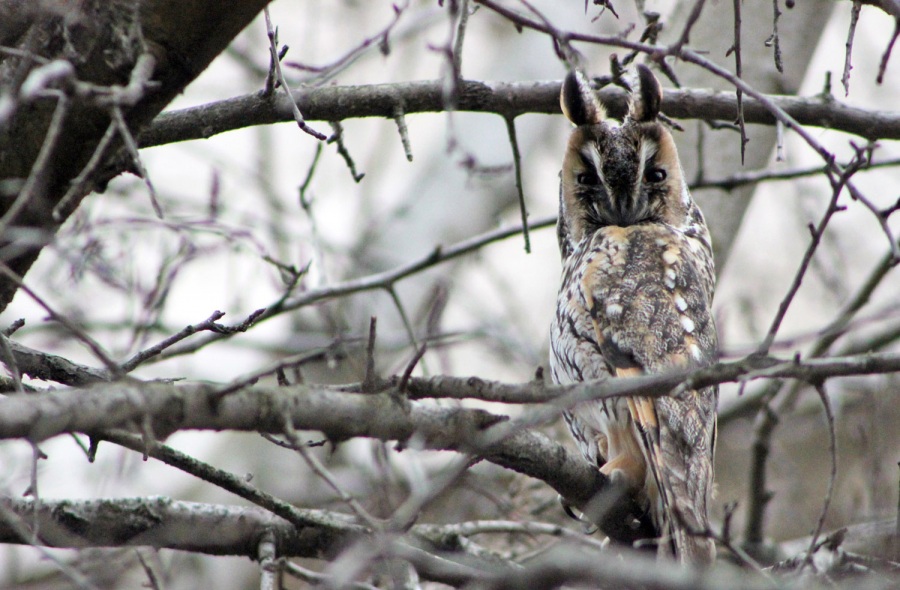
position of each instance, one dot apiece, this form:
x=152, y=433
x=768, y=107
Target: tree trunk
x=87, y=51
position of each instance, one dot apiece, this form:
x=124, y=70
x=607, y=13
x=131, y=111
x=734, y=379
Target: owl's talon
x=587, y=527
x=567, y=508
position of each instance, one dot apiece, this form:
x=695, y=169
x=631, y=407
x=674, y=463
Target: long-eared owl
x=636, y=297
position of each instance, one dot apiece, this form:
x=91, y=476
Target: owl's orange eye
x=587, y=178
x=654, y=175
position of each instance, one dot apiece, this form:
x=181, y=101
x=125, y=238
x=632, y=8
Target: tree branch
x=163, y=523
x=433, y=549
x=342, y=415
x=507, y=99
x=338, y=415
x=107, y=46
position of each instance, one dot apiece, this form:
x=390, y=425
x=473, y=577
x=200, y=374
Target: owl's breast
x=646, y=292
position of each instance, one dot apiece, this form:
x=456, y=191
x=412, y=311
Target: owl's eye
x=588, y=178
x=654, y=175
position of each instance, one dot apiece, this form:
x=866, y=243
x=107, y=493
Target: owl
x=635, y=298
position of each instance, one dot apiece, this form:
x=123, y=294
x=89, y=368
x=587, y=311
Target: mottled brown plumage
x=636, y=297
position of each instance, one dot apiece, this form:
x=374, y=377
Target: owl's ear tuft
x=646, y=102
x=578, y=101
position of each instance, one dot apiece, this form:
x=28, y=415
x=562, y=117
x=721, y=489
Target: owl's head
x=618, y=173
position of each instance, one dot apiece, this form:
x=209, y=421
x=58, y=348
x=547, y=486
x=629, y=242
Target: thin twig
x=69, y=325
x=517, y=164
x=36, y=175
x=370, y=378
x=152, y=579
x=33, y=491
x=376, y=281
x=400, y=119
x=692, y=19
x=404, y=317
x=209, y=324
x=316, y=578
x=131, y=145
x=460, y=36
x=816, y=234
x=310, y=172
x=407, y=373
x=273, y=52
x=738, y=71
x=759, y=496
x=271, y=369
x=832, y=449
x=220, y=478
x=317, y=260
x=882, y=66
x=381, y=39
x=337, y=138
x=774, y=39
x=78, y=183
x=851, y=31
x=325, y=475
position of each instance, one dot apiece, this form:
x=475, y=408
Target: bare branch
x=848, y=61
x=328, y=523
x=507, y=99
x=342, y=415
x=767, y=175
x=276, y=62
x=50, y=367
x=739, y=72
x=882, y=67
x=382, y=281
x=164, y=523
x=517, y=163
x=832, y=476
x=774, y=40
x=68, y=324
x=267, y=562
x=817, y=233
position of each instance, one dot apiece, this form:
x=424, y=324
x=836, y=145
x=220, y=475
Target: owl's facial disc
x=616, y=180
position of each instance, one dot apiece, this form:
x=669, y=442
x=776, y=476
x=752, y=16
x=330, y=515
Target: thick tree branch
x=507, y=99
x=50, y=367
x=338, y=415
x=342, y=415
x=161, y=522
x=105, y=48
x=435, y=550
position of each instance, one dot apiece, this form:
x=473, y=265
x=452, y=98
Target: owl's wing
x=655, y=327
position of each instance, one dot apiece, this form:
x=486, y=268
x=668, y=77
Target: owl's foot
x=626, y=470
x=587, y=527
x=625, y=464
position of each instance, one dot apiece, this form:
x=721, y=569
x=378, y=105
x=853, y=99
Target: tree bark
x=88, y=53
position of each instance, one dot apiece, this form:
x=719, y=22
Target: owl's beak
x=628, y=210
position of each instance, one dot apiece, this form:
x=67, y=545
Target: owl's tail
x=679, y=482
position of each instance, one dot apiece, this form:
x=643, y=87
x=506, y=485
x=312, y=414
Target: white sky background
x=507, y=294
